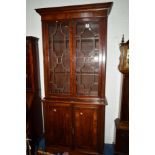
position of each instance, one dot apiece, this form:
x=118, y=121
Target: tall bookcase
x=74, y=48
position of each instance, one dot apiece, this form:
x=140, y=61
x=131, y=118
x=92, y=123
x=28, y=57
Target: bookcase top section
x=75, y=11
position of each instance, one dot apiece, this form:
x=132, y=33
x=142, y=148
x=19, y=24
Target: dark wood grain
x=34, y=126
x=122, y=137
x=75, y=12
x=122, y=123
x=58, y=124
x=125, y=98
x=74, y=121
x=85, y=126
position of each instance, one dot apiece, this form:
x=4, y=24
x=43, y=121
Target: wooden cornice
x=75, y=11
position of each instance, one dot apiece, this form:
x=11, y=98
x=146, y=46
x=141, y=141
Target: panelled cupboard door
x=57, y=124
x=85, y=120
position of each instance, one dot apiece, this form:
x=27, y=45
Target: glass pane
x=59, y=58
x=87, y=58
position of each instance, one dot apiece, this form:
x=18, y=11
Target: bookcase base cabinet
x=74, y=127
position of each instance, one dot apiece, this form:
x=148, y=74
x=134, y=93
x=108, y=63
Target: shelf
x=95, y=49
x=77, y=38
x=87, y=57
x=87, y=74
x=62, y=41
x=60, y=72
x=90, y=38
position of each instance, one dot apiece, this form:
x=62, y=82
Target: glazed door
x=74, y=58
x=57, y=58
x=85, y=120
x=87, y=55
x=57, y=124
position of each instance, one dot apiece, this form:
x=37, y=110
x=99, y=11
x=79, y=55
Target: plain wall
x=118, y=24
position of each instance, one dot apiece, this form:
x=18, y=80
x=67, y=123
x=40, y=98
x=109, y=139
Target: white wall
x=118, y=24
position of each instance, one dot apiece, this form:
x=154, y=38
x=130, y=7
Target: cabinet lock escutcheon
x=54, y=110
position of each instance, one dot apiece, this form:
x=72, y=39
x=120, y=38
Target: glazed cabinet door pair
x=73, y=126
x=73, y=56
